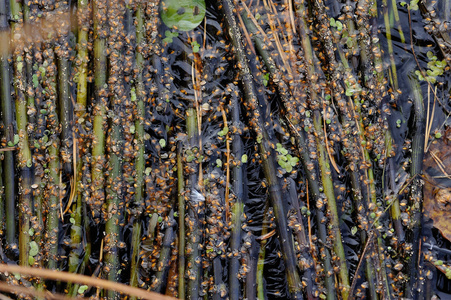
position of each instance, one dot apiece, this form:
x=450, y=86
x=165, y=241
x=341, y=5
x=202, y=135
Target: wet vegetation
x=269, y=149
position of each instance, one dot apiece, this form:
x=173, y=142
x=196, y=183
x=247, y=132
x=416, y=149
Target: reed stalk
x=7, y=119
x=195, y=198
x=64, y=95
x=53, y=192
x=100, y=106
x=165, y=255
x=238, y=172
x=181, y=223
x=115, y=144
x=79, y=148
x=416, y=195
x=260, y=280
x=139, y=137
x=24, y=161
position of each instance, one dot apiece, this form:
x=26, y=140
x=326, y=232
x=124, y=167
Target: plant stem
x=237, y=209
x=326, y=177
x=165, y=255
x=99, y=110
x=139, y=160
x=24, y=155
x=181, y=221
x=194, y=264
x=413, y=287
x=115, y=144
x=7, y=118
x=82, y=84
x=64, y=101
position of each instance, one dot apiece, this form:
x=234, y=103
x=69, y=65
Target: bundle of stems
x=187, y=163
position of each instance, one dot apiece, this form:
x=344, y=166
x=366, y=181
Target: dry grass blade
x=440, y=165
x=82, y=279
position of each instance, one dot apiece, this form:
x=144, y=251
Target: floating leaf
x=183, y=15
x=244, y=158
x=195, y=46
x=162, y=143
x=224, y=131
x=82, y=289
x=332, y=22
x=33, y=248
x=219, y=163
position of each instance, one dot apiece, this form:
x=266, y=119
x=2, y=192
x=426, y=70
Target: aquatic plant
x=224, y=149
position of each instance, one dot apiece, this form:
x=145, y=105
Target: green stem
x=181, y=221
x=24, y=154
x=139, y=160
x=416, y=188
x=7, y=118
x=82, y=84
x=393, y=73
x=165, y=255
x=261, y=261
x=237, y=209
x=326, y=177
x=64, y=101
x=99, y=110
x=193, y=237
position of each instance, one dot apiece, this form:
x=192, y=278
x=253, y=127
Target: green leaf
x=438, y=262
x=72, y=220
x=30, y=232
x=183, y=15
x=162, y=143
x=354, y=230
x=195, y=46
x=133, y=94
x=219, y=163
x=429, y=54
x=244, y=158
x=30, y=260
x=282, y=163
x=349, y=92
x=20, y=67
x=16, y=139
x=29, y=163
x=35, y=80
x=33, y=248
x=82, y=289
x=339, y=26
x=293, y=161
x=147, y=171
x=332, y=22
x=224, y=131
x=132, y=129
x=42, y=70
